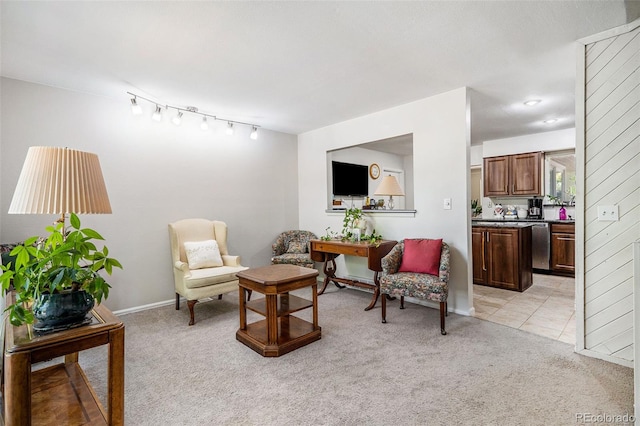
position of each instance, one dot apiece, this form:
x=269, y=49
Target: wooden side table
x=61, y=394
x=327, y=251
x=280, y=332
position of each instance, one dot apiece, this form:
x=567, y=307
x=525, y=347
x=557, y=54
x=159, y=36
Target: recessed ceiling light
x=532, y=102
x=550, y=121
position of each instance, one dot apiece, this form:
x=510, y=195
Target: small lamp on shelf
x=389, y=186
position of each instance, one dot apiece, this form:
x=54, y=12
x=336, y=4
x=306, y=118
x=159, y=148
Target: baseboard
x=154, y=305
x=144, y=307
x=605, y=357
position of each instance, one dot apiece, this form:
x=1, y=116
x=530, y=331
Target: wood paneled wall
x=611, y=176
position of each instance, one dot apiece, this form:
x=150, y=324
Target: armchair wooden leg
x=384, y=309
x=446, y=309
x=442, y=315
x=401, y=302
x=177, y=302
x=249, y=295
x=191, y=304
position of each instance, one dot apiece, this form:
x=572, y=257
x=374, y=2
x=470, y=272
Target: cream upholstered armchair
x=417, y=268
x=292, y=247
x=202, y=266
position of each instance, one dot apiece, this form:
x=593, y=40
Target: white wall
x=440, y=130
x=548, y=141
x=155, y=173
x=476, y=155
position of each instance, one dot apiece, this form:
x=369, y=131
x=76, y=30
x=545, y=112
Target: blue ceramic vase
x=63, y=310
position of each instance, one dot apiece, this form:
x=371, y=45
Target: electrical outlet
x=608, y=213
x=447, y=203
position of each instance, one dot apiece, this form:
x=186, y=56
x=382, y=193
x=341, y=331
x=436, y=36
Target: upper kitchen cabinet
x=517, y=174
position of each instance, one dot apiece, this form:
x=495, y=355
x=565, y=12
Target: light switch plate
x=447, y=203
x=608, y=213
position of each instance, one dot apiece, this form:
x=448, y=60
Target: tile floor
x=546, y=308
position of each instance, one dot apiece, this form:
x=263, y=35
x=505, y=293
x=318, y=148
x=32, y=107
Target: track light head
x=157, y=114
x=136, y=109
x=177, y=119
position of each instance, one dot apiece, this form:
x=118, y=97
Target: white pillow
x=203, y=254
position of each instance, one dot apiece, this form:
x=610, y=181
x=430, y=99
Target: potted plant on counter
x=57, y=279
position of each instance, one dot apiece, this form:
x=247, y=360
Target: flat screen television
x=350, y=179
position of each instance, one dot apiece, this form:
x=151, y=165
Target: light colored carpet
x=360, y=372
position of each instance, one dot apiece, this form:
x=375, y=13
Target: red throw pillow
x=422, y=256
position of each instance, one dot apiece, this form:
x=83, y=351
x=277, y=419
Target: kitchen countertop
x=504, y=224
x=518, y=222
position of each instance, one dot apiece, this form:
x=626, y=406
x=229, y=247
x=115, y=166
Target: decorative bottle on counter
x=562, y=213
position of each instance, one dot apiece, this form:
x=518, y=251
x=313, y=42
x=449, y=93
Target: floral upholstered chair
x=292, y=247
x=417, y=268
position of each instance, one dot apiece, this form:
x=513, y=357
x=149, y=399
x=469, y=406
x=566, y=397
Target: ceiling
x=298, y=66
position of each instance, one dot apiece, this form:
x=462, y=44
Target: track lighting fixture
x=177, y=119
x=135, y=108
x=157, y=114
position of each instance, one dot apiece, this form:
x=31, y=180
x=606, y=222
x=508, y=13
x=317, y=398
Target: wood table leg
x=17, y=392
x=243, y=308
x=329, y=270
x=116, y=377
x=272, y=319
x=376, y=292
x=314, y=292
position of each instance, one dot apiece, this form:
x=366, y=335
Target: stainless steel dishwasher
x=541, y=246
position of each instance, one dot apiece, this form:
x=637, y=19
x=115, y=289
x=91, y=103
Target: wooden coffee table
x=280, y=332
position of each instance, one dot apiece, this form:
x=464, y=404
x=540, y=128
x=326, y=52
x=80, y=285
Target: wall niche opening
x=390, y=156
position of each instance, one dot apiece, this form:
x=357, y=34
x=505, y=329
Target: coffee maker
x=535, y=208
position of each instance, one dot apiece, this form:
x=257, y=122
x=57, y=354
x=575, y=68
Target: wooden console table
x=327, y=251
x=61, y=394
x=280, y=332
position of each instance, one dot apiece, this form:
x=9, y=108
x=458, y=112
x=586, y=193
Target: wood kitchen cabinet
x=563, y=248
x=518, y=174
x=479, y=255
x=502, y=257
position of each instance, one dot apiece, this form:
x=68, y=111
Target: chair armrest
x=444, y=263
x=182, y=267
x=229, y=260
x=278, y=248
x=391, y=262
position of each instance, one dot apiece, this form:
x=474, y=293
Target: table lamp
x=389, y=186
x=60, y=181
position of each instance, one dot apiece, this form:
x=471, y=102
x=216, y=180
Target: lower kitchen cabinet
x=479, y=255
x=502, y=257
x=563, y=248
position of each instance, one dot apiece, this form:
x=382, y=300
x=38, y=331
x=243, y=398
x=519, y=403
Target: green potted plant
x=57, y=272
x=350, y=221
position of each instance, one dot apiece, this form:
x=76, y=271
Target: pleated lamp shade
x=59, y=181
